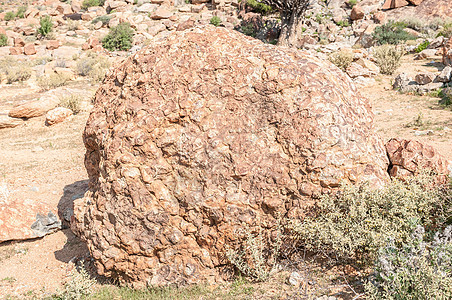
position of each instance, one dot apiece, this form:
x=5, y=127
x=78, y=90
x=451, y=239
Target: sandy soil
x=47, y=162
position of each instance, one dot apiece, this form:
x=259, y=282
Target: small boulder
x=19, y=42
x=357, y=13
x=16, y=50
x=53, y=44
x=445, y=75
x=424, y=54
x=29, y=49
x=57, y=115
x=7, y=122
x=34, y=108
x=394, y=4
x=424, y=78
x=161, y=13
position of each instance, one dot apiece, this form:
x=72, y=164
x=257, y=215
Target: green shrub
x=248, y=29
x=354, y=224
x=342, y=59
x=90, y=3
x=352, y=3
x=418, y=269
x=259, y=7
x=15, y=71
x=422, y=46
x=388, y=57
x=3, y=40
x=104, y=19
x=45, y=26
x=343, y=23
x=391, y=33
x=216, y=21
x=21, y=12
x=446, y=96
x=10, y=16
x=446, y=31
x=119, y=38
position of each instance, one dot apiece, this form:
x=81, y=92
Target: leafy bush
x=259, y=7
x=95, y=68
x=418, y=269
x=446, y=31
x=216, y=21
x=342, y=59
x=388, y=57
x=446, y=96
x=10, y=16
x=422, y=46
x=391, y=33
x=80, y=285
x=90, y=3
x=353, y=225
x=3, y=40
x=45, y=26
x=104, y=19
x=119, y=38
x=343, y=23
x=21, y=12
x=53, y=81
x=248, y=29
x=15, y=71
x=352, y=3
x=73, y=102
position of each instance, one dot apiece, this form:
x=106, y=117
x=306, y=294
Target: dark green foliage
x=216, y=21
x=46, y=26
x=422, y=46
x=446, y=96
x=258, y=7
x=104, y=19
x=3, y=40
x=391, y=33
x=248, y=29
x=10, y=16
x=446, y=31
x=119, y=38
x=89, y=3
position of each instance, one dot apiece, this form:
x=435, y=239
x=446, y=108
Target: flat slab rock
x=205, y=133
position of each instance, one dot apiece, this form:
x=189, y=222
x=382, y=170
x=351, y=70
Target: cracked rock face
x=206, y=132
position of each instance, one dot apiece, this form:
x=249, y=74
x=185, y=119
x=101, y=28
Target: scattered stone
x=7, y=122
x=29, y=49
x=57, y=115
x=203, y=149
x=19, y=42
x=447, y=52
x=430, y=87
x=424, y=54
x=45, y=224
x=34, y=108
x=394, y=4
x=16, y=50
x=408, y=157
x=355, y=70
x=380, y=17
x=161, y=13
x=52, y=45
x=424, y=78
x=295, y=279
x=445, y=75
x=357, y=13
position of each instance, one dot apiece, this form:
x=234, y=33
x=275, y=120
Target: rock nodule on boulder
x=206, y=132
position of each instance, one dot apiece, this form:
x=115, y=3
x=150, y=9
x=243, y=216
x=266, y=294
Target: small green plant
x=259, y=7
x=45, y=26
x=344, y=23
x=10, y=16
x=446, y=31
x=248, y=29
x=119, y=38
x=216, y=21
x=422, y=46
x=391, y=33
x=90, y=3
x=15, y=71
x=388, y=58
x=9, y=279
x=446, y=96
x=73, y=102
x=352, y=225
x=79, y=285
x=342, y=59
x=3, y=40
x=104, y=19
x=251, y=258
x=421, y=268
x=53, y=81
x=352, y=3
x=21, y=12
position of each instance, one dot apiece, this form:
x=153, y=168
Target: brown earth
x=58, y=172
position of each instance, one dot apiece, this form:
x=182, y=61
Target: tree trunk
x=291, y=29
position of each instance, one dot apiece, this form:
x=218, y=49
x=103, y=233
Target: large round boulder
x=207, y=132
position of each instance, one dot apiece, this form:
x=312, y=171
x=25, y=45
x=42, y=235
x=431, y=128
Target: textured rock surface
x=426, y=10
x=58, y=115
x=408, y=157
x=34, y=108
x=201, y=134
x=447, y=52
